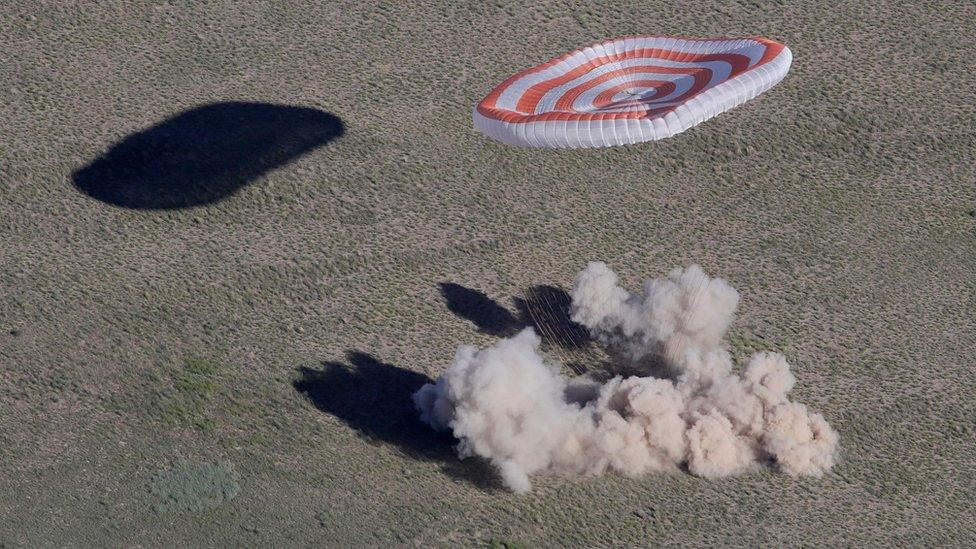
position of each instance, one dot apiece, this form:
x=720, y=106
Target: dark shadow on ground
x=374, y=398
x=487, y=314
x=205, y=154
x=548, y=309
x=545, y=308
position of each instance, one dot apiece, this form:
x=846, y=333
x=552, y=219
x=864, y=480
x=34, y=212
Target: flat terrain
x=225, y=356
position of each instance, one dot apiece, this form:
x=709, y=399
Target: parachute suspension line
x=541, y=322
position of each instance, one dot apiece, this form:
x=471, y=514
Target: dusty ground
x=238, y=372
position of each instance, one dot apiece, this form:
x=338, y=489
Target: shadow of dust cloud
x=546, y=309
x=205, y=154
x=374, y=398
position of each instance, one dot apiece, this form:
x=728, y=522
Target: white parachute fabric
x=629, y=90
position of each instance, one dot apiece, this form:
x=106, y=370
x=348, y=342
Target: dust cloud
x=688, y=408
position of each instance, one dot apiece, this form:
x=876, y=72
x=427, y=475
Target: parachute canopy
x=629, y=90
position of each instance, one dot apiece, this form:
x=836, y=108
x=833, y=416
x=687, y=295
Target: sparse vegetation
x=505, y=544
x=194, y=487
x=189, y=401
x=839, y=203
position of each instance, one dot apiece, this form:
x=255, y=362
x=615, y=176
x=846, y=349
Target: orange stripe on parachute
x=530, y=99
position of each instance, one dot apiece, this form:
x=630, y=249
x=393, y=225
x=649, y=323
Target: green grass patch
x=194, y=487
x=189, y=401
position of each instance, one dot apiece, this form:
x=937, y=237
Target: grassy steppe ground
x=238, y=373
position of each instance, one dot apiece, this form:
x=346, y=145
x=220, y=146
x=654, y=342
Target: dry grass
x=837, y=203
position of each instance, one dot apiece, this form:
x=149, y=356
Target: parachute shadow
x=373, y=398
x=204, y=154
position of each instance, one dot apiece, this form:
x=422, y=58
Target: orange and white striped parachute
x=629, y=90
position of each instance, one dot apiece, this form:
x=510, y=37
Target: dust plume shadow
x=543, y=307
x=205, y=154
x=374, y=398
x=487, y=314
